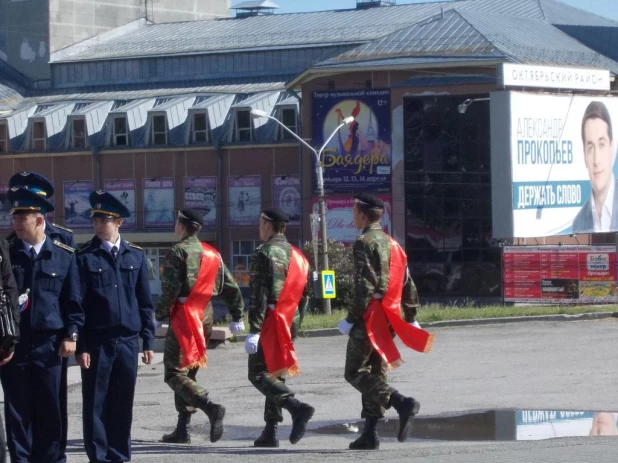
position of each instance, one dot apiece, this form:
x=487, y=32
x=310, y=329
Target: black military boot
x=215, y=413
x=301, y=414
x=407, y=408
x=268, y=438
x=369, y=439
x=180, y=435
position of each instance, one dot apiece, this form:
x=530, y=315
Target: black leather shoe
x=268, y=438
x=180, y=435
x=300, y=418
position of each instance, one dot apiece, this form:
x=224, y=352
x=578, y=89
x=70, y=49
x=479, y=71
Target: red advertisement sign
x=559, y=274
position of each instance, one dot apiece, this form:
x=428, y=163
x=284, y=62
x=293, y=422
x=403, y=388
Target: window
x=241, y=253
x=120, y=132
x=38, y=140
x=78, y=133
x=158, y=130
x=4, y=138
x=199, y=128
x=289, y=118
x=243, y=126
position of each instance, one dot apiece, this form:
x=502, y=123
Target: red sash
x=383, y=312
x=276, y=337
x=187, y=319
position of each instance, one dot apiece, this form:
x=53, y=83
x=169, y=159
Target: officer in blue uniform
x=118, y=306
x=46, y=270
x=40, y=185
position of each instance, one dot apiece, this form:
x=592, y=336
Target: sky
x=606, y=8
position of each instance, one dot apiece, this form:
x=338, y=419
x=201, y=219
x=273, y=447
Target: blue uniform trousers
x=31, y=383
x=62, y=451
x=108, y=387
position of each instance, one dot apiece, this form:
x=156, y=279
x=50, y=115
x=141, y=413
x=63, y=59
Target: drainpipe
x=300, y=166
x=218, y=147
x=95, y=150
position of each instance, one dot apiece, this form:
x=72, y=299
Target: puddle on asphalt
x=493, y=425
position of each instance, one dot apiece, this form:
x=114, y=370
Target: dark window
x=4, y=138
x=78, y=133
x=289, y=118
x=199, y=130
x=158, y=130
x=38, y=141
x=120, y=136
x=244, y=126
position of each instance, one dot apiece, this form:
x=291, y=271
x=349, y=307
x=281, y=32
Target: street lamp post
x=320, y=181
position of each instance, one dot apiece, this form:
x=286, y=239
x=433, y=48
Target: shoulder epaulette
x=55, y=225
x=64, y=246
x=84, y=246
x=134, y=245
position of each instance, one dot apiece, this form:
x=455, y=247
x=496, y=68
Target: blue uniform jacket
x=116, y=296
x=56, y=232
x=55, y=299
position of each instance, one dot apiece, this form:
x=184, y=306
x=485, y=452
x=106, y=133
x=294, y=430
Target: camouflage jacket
x=180, y=270
x=372, y=256
x=269, y=269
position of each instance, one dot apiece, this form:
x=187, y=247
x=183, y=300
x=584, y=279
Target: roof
x=255, y=4
x=472, y=35
x=296, y=29
x=9, y=98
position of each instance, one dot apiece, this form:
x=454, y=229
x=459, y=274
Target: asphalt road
x=542, y=365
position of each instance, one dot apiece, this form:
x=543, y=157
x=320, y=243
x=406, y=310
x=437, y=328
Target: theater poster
x=340, y=220
x=124, y=191
x=77, y=204
x=358, y=157
x=244, y=200
x=159, y=211
x=287, y=196
x=201, y=195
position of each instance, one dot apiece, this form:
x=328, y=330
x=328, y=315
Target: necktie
x=33, y=254
x=114, y=252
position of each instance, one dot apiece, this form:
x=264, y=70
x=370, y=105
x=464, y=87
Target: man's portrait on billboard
x=600, y=212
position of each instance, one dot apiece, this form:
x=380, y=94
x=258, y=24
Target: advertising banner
x=201, y=195
x=340, y=221
x=559, y=274
x=5, y=208
x=245, y=200
x=159, y=209
x=553, y=164
x=124, y=191
x=287, y=196
x=358, y=157
x=77, y=204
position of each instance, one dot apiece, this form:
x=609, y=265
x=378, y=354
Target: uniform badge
x=16, y=203
x=98, y=206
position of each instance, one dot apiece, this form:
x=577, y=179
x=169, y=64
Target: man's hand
x=148, y=357
x=344, y=327
x=251, y=343
x=67, y=348
x=5, y=357
x=83, y=360
x=237, y=327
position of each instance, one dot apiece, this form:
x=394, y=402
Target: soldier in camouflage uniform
x=180, y=271
x=364, y=368
x=269, y=267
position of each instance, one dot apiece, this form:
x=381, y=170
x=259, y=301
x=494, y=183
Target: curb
x=326, y=332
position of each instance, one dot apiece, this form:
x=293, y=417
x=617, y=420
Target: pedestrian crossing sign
x=328, y=284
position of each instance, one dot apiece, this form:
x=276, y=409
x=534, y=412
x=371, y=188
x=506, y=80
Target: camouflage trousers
x=366, y=371
x=274, y=389
x=183, y=382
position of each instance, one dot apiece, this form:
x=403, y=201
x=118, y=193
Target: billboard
x=550, y=424
x=553, y=164
x=358, y=157
x=559, y=274
x=159, y=203
x=201, y=195
x=340, y=221
x=244, y=200
x=124, y=191
x=287, y=196
x=77, y=204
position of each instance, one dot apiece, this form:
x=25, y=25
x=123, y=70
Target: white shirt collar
x=108, y=245
x=605, y=223
x=37, y=247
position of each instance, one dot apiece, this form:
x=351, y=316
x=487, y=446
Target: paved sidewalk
x=538, y=365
